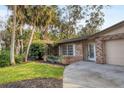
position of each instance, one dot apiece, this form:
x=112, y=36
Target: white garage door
x=115, y=52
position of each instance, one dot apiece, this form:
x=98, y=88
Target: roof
x=94, y=35
x=72, y=40
x=109, y=29
x=47, y=41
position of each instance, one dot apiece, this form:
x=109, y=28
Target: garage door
x=115, y=52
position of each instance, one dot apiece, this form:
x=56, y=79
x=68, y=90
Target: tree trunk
x=29, y=44
x=12, y=54
x=21, y=40
x=18, y=47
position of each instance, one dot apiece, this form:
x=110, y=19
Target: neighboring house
x=103, y=47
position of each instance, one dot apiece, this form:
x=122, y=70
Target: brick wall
x=100, y=46
x=78, y=54
x=72, y=59
x=100, y=58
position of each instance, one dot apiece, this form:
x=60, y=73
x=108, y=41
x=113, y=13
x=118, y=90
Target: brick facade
x=100, y=46
x=78, y=54
x=115, y=32
x=72, y=59
x=81, y=52
x=100, y=51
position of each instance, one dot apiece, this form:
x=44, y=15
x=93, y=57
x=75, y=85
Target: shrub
x=54, y=59
x=19, y=59
x=4, y=58
x=37, y=50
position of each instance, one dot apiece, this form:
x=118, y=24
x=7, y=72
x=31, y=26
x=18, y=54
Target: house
x=105, y=47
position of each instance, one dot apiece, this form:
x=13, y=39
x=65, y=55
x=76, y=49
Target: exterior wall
x=82, y=51
x=115, y=31
x=100, y=46
x=72, y=59
x=78, y=53
x=54, y=51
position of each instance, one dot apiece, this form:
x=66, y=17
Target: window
x=64, y=50
x=67, y=49
x=70, y=49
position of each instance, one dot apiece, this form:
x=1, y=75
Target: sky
x=113, y=14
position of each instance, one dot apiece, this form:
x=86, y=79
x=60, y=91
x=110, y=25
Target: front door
x=91, y=52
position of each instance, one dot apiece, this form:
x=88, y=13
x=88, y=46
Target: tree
x=21, y=21
x=49, y=19
x=8, y=33
x=42, y=17
x=53, y=22
x=69, y=18
x=12, y=52
x=76, y=20
x=93, y=20
x=31, y=19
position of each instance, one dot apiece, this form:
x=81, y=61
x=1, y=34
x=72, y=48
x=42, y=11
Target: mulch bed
x=59, y=64
x=35, y=83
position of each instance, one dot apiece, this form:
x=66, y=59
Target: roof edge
x=94, y=35
x=106, y=30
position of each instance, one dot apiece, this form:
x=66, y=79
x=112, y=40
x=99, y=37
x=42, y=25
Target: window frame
x=67, y=45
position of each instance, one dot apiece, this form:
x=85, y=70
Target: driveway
x=92, y=75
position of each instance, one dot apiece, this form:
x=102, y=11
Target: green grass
x=29, y=71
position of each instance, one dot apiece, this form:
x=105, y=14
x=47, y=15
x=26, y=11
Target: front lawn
x=29, y=71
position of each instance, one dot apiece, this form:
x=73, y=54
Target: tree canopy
x=43, y=22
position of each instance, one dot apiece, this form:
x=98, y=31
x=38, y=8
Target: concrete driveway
x=92, y=75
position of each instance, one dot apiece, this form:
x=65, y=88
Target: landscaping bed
x=57, y=64
x=35, y=83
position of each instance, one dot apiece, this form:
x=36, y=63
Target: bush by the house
x=37, y=50
x=54, y=59
x=4, y=58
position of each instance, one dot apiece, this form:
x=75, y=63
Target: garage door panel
x=115, y=52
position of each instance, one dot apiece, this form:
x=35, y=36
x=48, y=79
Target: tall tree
x=93, y=20
x=31, y=19
x=21, y=21
x=12, y=52
x=71, y=15
x=40, y=17
x=8, y=32
x=84, y=19
x=49, y=15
